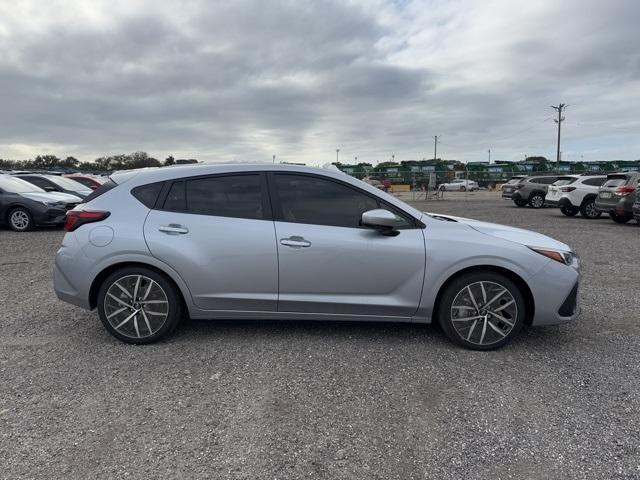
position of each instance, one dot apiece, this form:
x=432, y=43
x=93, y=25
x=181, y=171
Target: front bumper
x=555, y=291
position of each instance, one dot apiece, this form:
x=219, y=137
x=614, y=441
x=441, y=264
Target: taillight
x=622, y=191
x=77, y=218
x=567, y=189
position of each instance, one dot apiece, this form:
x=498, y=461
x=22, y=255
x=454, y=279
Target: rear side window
x=617, y=181
x=564, y=181
x=175, y=200
x=238, y=196
x=595, y=182
x=104, y=188
x=148, y=194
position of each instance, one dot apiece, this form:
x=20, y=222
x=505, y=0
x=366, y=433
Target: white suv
x=576, y=193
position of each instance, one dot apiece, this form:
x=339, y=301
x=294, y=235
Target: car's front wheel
x=536, y=200
x=481, y=310
x=139, y=305
x=569, y=211
x=21, y=220
x=589, y=210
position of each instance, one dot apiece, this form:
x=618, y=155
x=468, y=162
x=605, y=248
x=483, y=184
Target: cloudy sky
x=246, y=79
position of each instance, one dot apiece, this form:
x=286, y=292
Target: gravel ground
x=267, y=400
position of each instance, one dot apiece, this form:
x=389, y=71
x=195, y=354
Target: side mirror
x=381, y=220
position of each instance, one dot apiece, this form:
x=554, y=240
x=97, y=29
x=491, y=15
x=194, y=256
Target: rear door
x=329, y=263
x=217, y=232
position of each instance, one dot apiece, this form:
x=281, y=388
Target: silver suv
x=532, y=190
x=292, y=242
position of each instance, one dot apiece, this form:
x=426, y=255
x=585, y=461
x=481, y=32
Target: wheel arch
x=511, y=275
x=100, y=277
x=587, y=197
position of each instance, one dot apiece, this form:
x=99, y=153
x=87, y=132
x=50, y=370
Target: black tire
x=20, y=220
x=619, y=218
x=520, y=203
x=463, y=189
x=472, y=280
x=569, y=211
x=536, y=200
x=588, y=209
x=174, y=313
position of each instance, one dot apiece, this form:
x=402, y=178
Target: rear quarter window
x=148, y=194
x=102, y=189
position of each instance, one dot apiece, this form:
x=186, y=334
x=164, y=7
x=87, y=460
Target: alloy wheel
x=591, y=211
x=19, y=220
x=483, y=313
x=136, y=306
x=537, y=201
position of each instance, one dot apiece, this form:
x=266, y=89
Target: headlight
x=568, y=258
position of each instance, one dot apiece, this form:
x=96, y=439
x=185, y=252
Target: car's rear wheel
x=139, y=305
x=536, y=200
x=20, y=220
x=569, y=211
x=619, y=218
x=463, y=189
x=481, y=310
x=520, y=203
x=589, y=210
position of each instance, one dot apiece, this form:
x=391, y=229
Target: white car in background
x=576, y=193
x=460, y=185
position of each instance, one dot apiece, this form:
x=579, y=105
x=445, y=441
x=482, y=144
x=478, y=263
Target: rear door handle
x=173, y=229
x=295, y=242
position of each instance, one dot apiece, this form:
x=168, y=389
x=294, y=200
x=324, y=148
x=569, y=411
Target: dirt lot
x=249, y=400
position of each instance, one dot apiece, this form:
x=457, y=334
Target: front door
x=330, y=264
x=217, y=233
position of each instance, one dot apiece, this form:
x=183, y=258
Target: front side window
x=238, y=196
x=316, y=201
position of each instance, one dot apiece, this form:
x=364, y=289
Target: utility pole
x=274, y=159
x=337, y=152
x=489, y=156
x=435, y=148
x=559, y=108
x=356, y=159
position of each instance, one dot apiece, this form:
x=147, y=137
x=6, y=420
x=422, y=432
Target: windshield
x=67, y=184
x=617, y=181
x=17, y=185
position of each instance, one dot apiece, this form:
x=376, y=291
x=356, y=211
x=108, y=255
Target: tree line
x=102, y=164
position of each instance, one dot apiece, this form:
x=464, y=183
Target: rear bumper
x=561, y=202
x=623, y=207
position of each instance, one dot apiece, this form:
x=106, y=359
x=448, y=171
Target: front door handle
x=295, y=242
x=173, y=229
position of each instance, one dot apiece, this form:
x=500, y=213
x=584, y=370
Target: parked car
x=576, y=193
x=460, y=185
x=508, y=188
x=636, y=207
x=56, y=183
x=23, y=206
x=293, y=242
x=88, y=181
x=617, y=195
x=532, y=191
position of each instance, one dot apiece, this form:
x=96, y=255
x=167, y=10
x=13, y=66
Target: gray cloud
x=248, y=79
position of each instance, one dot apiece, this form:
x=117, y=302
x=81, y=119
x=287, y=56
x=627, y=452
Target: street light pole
x=274, y=159
x=435, y=148
x=489, y=156
x=337, y=152
x=559, y=108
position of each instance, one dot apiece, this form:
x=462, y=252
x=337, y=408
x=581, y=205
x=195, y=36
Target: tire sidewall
x=453, y=288
x=175, y=304
x=583, y=210
x=28, y=228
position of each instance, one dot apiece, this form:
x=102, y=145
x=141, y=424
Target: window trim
x=279, y=217
x=266, y=202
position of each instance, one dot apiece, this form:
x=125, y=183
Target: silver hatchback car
x=291, y=242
